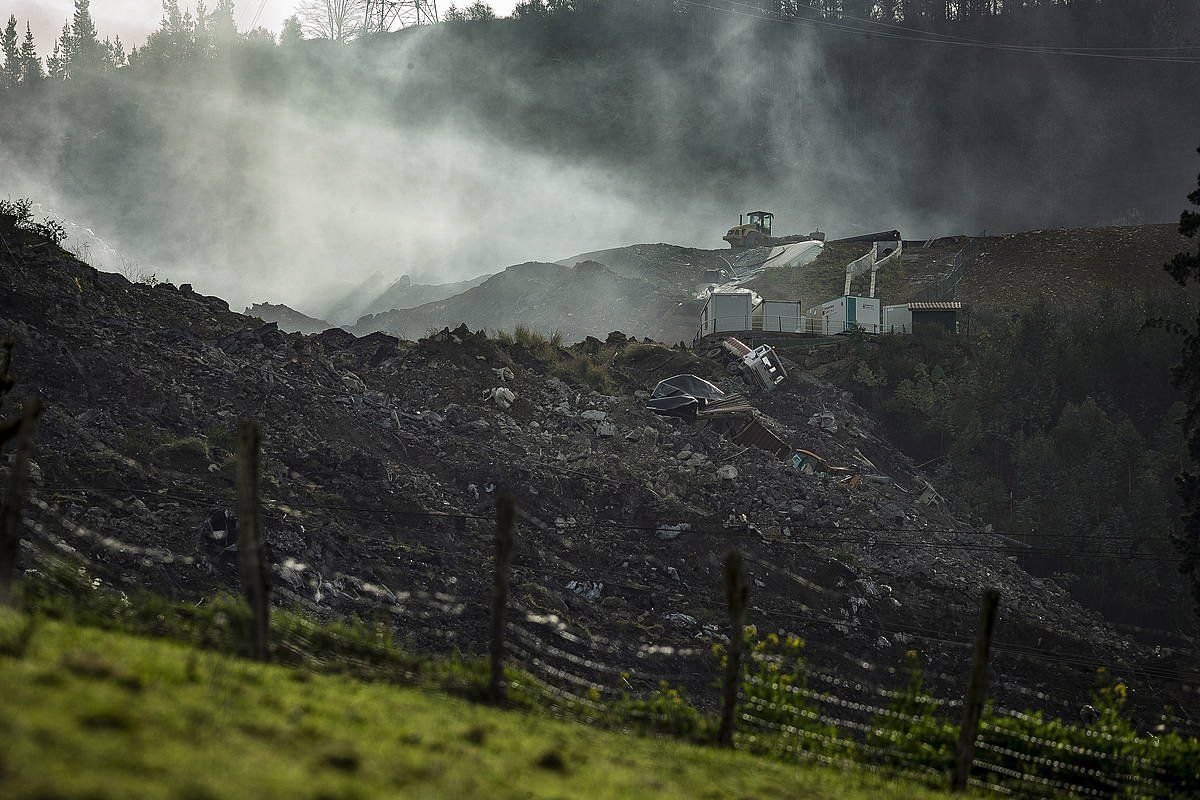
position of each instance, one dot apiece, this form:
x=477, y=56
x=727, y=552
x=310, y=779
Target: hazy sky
x=132, y=20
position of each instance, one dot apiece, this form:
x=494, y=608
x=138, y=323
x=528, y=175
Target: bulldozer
x=756, y=232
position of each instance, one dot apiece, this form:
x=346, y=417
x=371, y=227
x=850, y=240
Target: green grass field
x=88, y=713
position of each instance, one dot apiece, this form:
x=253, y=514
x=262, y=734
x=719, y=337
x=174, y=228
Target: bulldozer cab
x=761, y=220
x=755, y=232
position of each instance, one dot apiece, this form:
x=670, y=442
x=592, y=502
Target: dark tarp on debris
x=682, y=396
x=689, y=396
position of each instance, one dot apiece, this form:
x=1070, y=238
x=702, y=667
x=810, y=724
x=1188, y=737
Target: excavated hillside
x=625, y=516
x=651, y=289
x=1077, y=265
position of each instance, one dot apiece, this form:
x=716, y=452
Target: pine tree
x=54, y=63
x=64, y=48
x=31, y=65
x=114, y=53
x=11, y=74
x=88, y=53
x=202, y=43
x=188, y=36
x=170, y=43
x=224, y=30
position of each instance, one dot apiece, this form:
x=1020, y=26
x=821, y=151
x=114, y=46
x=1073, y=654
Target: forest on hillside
x=1059, y=429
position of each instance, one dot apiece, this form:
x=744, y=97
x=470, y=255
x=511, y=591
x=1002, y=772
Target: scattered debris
x=668, y=532
x=809, y=462
x=824, y=420
x=930, y=496
x=588, y=590
x=754, y=433
x=502, y=396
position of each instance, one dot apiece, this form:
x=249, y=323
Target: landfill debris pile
x=625, y=514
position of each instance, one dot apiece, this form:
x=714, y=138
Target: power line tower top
x=389, y=15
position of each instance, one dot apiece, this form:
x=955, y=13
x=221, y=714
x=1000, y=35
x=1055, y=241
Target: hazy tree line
x=907, y=133
x=77, y=51
x=183, y=36
x=1044, y=22
x=186, y=35
x=931, y=12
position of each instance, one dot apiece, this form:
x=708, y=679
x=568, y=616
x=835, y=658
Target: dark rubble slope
x=143, y=386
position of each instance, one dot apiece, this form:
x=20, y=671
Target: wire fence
x=808, y=324
x=945, y=288
x=808, y=690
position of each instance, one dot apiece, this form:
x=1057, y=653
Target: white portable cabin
x=849, y=313
x=782, y=316
x=897, y=319
x=728, y=310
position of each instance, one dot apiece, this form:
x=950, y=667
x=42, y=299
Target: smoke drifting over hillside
x=290, y=174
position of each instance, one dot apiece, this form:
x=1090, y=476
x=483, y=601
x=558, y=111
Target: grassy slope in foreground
x=88, y=713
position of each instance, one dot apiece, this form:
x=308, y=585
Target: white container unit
x=728, y=310
x=849, y=313
x=781, y=316
x=897, y=319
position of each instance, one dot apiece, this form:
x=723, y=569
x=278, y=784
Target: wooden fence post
x=737, y=592
x=506, y=512
x=14, y=498
x=252, y=566
x=964, y=753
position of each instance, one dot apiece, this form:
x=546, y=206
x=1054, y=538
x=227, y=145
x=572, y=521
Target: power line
x=257, y=14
